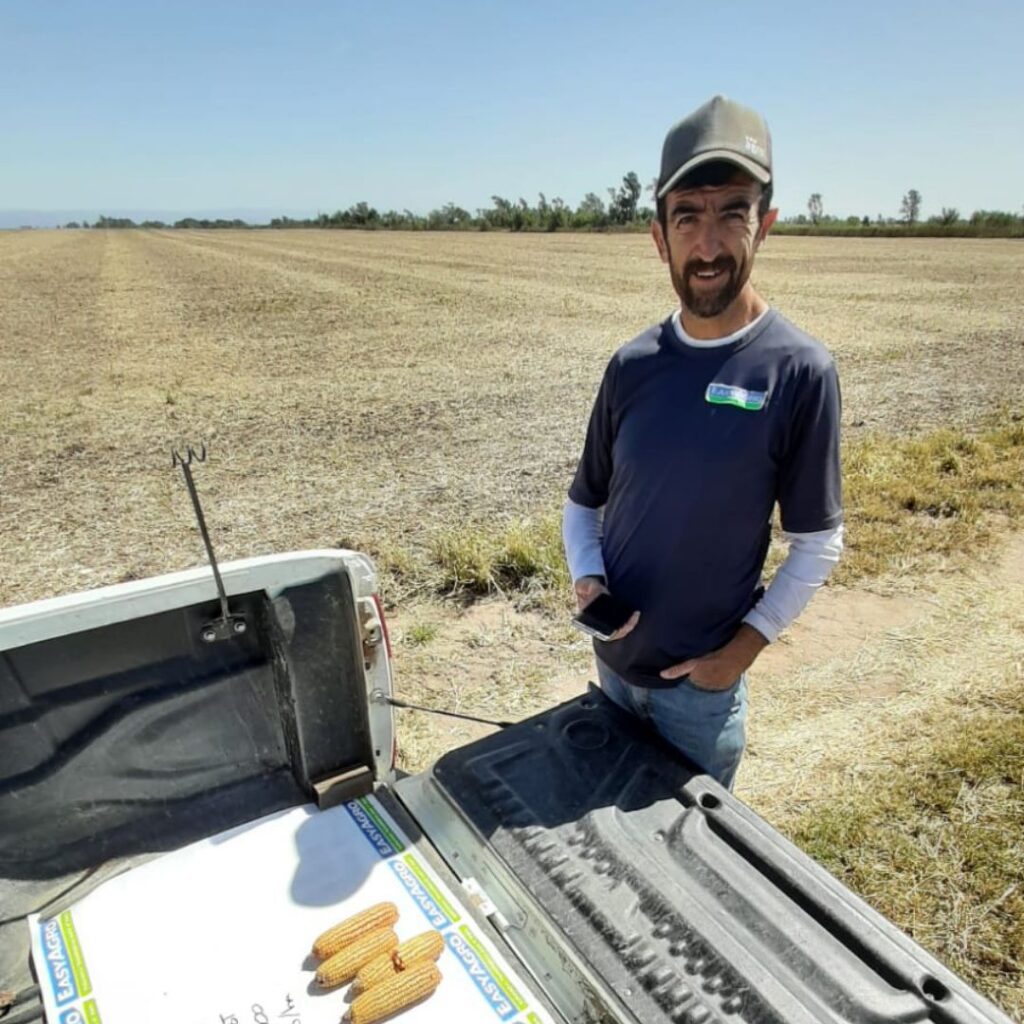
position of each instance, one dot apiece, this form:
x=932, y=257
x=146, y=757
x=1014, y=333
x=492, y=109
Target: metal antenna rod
x=396, y=703
x=227, y=623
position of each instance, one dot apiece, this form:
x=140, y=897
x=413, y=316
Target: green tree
x=910, y=207
x=622, y=201
x=501, y=214
x=993, y=219
x=629, y=196
x=449, y=216
x=523, y=216
x=558, y=214
x=815, y=207
x=591, y=212
x=114, y=222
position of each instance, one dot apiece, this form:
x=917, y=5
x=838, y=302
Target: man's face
x=710, y=237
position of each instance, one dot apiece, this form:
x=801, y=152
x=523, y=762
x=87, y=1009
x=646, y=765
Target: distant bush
x=1011, y=227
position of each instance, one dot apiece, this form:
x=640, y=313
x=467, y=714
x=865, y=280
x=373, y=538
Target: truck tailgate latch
x=479, y=899
x=372, y=633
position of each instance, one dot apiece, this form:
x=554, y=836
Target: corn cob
x=397, y=993
x=380, y=915
x=342, y=967
x=427, y=946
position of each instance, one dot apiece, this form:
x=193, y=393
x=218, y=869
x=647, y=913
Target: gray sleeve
x=594, y=472
x=810, y=478
x=811, y=558
x=581, y=534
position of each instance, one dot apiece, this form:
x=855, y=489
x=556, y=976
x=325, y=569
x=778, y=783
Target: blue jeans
x=707, y=726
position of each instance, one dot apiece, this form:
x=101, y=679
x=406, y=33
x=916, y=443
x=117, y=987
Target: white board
x=219, y=932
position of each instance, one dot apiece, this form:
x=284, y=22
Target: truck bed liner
x=684, y=901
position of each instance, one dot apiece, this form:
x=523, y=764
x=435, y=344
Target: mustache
x=722, y=263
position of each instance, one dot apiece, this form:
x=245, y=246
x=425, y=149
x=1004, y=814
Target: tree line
x=948, y=221
x=621, y=210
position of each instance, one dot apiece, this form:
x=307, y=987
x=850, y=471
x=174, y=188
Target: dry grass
x=934, y=839
x=910, y=499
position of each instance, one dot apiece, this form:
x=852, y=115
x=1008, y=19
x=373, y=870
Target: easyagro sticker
x=89, y=1014
x=65, y=963
x=499, y=992
x=436, y=909
x=373, y=826
x=730, y=394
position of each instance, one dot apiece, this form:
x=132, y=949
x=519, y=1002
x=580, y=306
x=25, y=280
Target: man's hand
x=720, y=669
x=587, y=588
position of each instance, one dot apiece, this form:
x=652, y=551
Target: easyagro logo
x=433, y=913
x=56, y=953
x=730, y=394
x=499, y=1001
x=369, y=829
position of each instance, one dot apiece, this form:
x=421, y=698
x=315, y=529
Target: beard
x=707, y=302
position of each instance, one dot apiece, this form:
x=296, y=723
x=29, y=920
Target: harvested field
x=387, y=390
x=380, y=388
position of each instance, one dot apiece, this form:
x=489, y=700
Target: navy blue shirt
x=689, y=449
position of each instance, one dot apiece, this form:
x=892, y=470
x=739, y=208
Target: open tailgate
x=644, y=892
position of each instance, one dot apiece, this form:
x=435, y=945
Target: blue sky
x=296, y=107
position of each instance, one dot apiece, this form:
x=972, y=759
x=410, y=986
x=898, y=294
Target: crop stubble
x=377, y=388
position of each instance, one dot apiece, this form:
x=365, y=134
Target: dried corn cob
x=427, y=946
x=380, y=915
x=398, y=993
x=342, y=967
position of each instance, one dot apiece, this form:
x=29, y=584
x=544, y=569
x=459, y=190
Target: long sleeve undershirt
x=810, y=560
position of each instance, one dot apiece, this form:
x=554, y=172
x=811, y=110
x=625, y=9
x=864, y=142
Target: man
x=701, y=425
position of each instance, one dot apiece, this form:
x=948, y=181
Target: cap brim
x=756, y=171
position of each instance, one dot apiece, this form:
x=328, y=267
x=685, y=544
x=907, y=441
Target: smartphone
x=603, y=617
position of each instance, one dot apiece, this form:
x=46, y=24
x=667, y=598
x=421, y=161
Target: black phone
x=603, y=617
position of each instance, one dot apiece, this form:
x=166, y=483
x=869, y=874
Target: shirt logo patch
x=730, y=394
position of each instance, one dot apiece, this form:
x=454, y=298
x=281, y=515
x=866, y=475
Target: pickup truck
x=614, y=882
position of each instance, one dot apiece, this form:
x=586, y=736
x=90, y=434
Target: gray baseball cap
x=719, y=130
